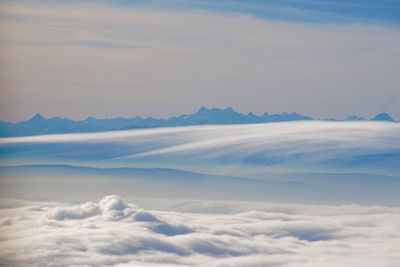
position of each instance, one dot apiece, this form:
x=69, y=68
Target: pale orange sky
x=100, y=60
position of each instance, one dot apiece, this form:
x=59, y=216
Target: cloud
x=322, y=161
x=111, y=207
x=114, y=233
x=160, y=62
x=304, y=144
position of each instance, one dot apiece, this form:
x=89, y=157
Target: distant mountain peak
x=382, y=117
x=39, y=125
x=38, y=117
x=354, y=118
x=202, y=109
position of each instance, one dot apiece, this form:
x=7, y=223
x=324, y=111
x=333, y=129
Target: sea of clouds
x=223, y=149
x=112, y=232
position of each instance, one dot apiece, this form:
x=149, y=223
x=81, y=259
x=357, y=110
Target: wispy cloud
x=302, y=144
x=338, y=11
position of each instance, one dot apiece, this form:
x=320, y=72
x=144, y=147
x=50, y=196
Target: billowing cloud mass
x=114, y=233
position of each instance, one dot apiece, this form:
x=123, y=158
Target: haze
x=109, y=59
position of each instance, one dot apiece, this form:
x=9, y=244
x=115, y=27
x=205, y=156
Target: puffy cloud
x=111, y=207
x=114, y=233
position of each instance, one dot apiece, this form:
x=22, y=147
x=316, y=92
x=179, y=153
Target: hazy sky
x=161, y=58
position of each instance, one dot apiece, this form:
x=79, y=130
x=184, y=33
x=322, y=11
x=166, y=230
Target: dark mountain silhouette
x=38, y=125
x=354, y=118
x=382, y=117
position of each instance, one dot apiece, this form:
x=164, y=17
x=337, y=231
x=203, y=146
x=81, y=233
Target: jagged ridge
x=39, y=125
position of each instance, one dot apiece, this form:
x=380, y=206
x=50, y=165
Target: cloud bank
x=317, y=161
x=113, y=233
x=307, y=144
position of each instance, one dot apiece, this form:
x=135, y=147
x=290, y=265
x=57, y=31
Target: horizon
x=194, y=112
x=193, y=133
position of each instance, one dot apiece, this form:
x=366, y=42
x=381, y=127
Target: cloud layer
x=114, y=233
x=315, y=144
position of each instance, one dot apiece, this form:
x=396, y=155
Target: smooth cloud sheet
x=113, y=233
x=363, y=147
x=307, y=161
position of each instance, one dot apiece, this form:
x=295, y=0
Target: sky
x=160, y=58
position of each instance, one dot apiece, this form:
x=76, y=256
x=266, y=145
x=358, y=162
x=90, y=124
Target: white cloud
x=113, y=233
x=328, y=162
x=222, y=148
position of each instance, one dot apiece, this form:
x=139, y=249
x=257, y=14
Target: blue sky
x=313, y=11
x=162, y=58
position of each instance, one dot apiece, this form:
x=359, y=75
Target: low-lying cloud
x=307, y=143
x=114, y=233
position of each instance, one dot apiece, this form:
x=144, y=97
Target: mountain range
x=38, y=125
